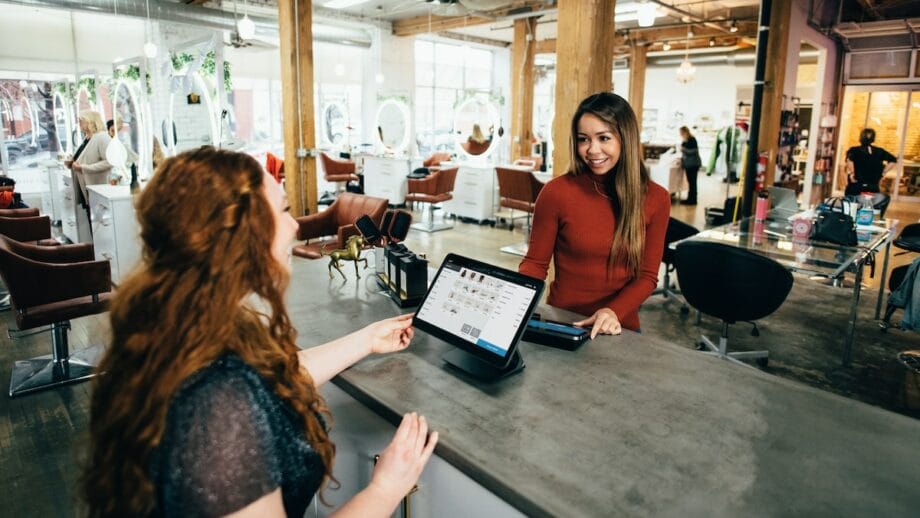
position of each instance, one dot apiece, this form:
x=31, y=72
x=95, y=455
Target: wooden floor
x=42, y=435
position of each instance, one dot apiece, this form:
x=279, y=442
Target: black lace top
x=230, y=440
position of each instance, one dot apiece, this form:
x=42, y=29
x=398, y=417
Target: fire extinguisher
x=761, y=172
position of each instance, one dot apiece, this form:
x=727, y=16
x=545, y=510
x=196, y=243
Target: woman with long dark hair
x=602, y=223
x=207, y=406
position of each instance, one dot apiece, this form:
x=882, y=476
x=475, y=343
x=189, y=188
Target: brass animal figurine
x=351, y=252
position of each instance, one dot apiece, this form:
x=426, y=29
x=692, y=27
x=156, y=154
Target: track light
x=667, y=45
x=712, y=42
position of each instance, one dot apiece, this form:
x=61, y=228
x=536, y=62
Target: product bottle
x=865, y=214
x=760, y=210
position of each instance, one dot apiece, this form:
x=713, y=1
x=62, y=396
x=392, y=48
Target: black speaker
x=400, y=227
x=385, y=224
x=368, y=229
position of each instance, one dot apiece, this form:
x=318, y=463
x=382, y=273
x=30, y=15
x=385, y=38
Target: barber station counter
x=626, y=425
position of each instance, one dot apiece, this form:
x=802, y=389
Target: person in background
x=690, y=160
x=602, y=223
x=866, y=164
x=90, y=166
x=476, y=143
x=207, y=406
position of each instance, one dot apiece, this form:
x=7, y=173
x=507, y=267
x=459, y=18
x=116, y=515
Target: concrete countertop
x=626, y=425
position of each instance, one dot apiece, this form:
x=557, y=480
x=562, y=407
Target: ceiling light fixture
x=150, y=48
x=666, y=45
x=734, y=26
x=686, y=71
x=647, y=12
x=712, y=42
x=246, y=27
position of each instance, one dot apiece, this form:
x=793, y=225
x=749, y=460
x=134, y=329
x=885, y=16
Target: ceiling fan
x=233, y=39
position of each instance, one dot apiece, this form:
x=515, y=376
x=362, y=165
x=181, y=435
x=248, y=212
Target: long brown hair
x=627, y=183
x=207, y=230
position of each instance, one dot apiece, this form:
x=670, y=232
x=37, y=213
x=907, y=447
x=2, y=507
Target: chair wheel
x=762, y=362
x=685, y=310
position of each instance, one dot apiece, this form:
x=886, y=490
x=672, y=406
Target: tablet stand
x=480, y=369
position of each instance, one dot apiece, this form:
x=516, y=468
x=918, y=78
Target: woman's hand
x=390, y=335
x=76, y=166
x=402, y=461
x=604, y=322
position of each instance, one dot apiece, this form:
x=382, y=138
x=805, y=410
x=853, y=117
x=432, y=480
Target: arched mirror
x=476, y=126
x=192, y=121
x=335, y=123
x=393, y=126
x=129, y=124
x=63, y=123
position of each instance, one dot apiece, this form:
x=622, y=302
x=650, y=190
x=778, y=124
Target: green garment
x=732, y=138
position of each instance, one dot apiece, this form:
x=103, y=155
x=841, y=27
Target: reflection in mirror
x=335, y=123
x=191, y=117
x=62, y=123
x=83, y=104
x=393, y=126
x=476, y=126
x=129, y=126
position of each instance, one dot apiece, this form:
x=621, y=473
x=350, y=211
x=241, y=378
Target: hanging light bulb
x=712, y=42
x=150, y=49
x=666, y=46
x=646, y=14
x=246, y=27
x=686, y=71
x=734, y=27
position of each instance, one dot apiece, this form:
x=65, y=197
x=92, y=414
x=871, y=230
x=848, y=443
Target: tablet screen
x=478, y=307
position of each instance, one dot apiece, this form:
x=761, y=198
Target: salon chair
x=24, y=225
x=518, y=190
x=677, y=230
x=534, y=162
x=333, y=226
x=339, y=172
x=51, y=286
x=731, y=284
x=437, y=187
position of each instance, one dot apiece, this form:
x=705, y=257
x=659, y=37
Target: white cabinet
x=116, y=234
x=74, y=221
x=474, y=193
x=359, y=434
x=386, y=178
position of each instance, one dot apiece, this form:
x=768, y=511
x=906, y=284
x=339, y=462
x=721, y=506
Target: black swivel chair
x=731, y=284
x=908, y=241
x=677, y=230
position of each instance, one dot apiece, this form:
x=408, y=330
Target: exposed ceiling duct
x=885, y=34
x=190, y=15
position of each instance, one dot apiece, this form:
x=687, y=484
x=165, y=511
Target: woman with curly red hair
x=207, y=406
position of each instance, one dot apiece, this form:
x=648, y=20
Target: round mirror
x=476, y=127
x=192, y=119
x=335, y=123
x=393, y=126
x=63, y=124
x=129, y=127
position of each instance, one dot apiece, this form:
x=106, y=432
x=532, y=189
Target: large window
x=444, y=73
x=257, y=114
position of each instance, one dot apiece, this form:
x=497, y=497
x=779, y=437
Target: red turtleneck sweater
x=573, y=224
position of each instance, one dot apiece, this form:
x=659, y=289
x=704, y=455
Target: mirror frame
x=403, y=108
x=143, y=147
x=60, y=105
x=209, y=107
x=77, y=110
x=343, y=108
x=494, y=123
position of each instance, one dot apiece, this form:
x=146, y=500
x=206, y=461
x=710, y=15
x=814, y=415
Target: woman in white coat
x=91, y=167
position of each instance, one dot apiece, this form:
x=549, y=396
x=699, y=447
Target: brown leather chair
x=518, y=190
x=436, y=159
x=434, y=188
x=24, y=225
x=336, y=224
x=51, y=286
x=338, y=171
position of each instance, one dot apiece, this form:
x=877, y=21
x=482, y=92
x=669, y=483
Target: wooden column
x=584, y=65
x=522, y=68
x=774, y=79
x=637, y=61
x=295, y=25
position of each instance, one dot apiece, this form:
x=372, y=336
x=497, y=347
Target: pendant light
x=150, y=48
x=246, y=28
x=686, y=71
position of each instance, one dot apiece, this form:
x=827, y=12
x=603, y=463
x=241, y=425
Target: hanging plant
x=208, y=66
x=133, y=72
x=402, y=98
x=89, y=83
x=481, y=94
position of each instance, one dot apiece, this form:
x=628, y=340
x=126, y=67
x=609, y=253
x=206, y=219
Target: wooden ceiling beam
x=679, y=32
x=433, y=24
